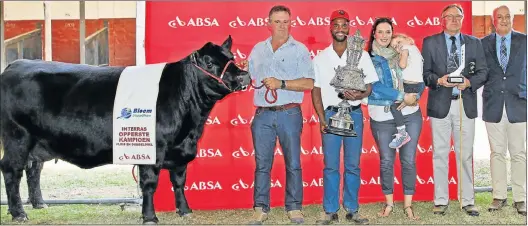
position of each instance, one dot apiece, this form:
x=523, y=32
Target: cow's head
x=218, y=62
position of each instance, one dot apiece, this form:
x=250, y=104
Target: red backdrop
x=221, y=176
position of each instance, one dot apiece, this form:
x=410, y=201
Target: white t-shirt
x=325, y=64
x=414, y=70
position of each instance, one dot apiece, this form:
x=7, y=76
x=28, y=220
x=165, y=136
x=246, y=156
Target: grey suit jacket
x=435, y=53
x=503, y=88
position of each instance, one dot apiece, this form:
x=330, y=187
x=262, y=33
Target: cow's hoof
x=149, y=222
x=40, y=206
x=20, y=218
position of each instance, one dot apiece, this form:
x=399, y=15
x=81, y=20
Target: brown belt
x=281, y=107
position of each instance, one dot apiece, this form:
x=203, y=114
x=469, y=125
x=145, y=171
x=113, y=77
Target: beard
x=339, y=39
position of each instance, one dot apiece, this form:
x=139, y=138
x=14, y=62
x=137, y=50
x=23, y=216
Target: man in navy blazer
x=504, y=108
x=448, y=113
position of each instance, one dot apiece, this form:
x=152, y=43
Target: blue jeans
x=383, y=133
x=266, y=127
x=331, y=175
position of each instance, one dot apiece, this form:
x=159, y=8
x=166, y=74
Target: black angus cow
x=57, y=110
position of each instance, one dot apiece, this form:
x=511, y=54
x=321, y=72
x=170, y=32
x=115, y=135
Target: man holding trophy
x=454, y=69
x=343, y=73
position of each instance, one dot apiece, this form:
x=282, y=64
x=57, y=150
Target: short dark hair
x=453, y=6
x=279, y=8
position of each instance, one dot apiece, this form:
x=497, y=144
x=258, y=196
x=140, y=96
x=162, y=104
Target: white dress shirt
x=325, y=64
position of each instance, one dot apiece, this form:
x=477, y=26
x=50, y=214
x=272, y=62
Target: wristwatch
x=283, y=85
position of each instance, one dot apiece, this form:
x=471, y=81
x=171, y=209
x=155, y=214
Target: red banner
x=221, y=176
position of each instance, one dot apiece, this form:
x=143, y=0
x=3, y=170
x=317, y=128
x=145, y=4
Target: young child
x=411, y=63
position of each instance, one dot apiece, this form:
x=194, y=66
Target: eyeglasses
x=450, y=17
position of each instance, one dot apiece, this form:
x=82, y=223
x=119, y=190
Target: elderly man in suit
x=442, y=56
x=504, y=108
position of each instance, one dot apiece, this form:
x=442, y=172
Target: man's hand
x=272, y=83
x=463, y=86
x=244, y=65
x=443, y=82
x=324, y=126
x=353, y=94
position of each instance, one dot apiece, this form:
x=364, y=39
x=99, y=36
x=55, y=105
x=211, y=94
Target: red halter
x=193, y=60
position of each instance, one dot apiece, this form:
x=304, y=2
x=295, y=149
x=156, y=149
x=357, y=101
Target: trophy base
x=341, y=132
x=455, y=79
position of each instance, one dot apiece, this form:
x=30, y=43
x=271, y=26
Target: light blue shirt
x=448, y=45
x=498, y=41
x=290, y=61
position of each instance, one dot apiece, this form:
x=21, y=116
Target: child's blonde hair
x=401, y=35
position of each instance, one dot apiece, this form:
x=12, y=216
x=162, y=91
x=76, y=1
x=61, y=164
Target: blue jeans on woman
x=382, y=133
x=287, y=125
x=331, y=176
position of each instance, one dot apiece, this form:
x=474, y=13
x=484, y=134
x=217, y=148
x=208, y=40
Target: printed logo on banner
x=126, y=113
x=371, y=150
x=315, y=151
x=202, y=186
x=354, y=22
x=312, y=119
x=430, y=180
x=431, y=21
x=239, y=120
x=212, y=120
x=423, y=150
x=242, y=153
x=377, y=180
x=241, y=185
x=314, y=53
x=239, y=55
x=316, y=182
x=193, y=22
x=208, y=153
x=252, y=22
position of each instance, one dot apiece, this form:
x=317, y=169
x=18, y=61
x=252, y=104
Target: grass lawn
x=113, y=214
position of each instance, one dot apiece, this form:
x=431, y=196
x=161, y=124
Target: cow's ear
x=227, y=43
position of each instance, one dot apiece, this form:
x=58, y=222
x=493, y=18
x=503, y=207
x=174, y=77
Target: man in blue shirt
x=283, y=67
x=504, y=108
x=452, y=107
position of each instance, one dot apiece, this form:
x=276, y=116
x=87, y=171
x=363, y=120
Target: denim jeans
x=382, y=133
x=266, y=127
x=352, y=156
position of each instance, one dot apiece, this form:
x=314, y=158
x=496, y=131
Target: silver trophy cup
x=349, y=77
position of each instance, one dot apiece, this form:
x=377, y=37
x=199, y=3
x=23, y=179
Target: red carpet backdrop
x=221, y=176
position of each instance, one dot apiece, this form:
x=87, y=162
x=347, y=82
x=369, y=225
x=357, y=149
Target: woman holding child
x=393, y=109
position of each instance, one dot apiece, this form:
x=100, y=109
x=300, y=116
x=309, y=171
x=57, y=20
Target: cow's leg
x=148, y=180
x=16, y=147
x=33, y=171
x=178, y=177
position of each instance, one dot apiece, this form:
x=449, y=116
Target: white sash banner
x=134, y=116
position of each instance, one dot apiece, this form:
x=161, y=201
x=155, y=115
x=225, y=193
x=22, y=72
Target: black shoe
x=328, y=218
x=355, y=218
x=471, y=210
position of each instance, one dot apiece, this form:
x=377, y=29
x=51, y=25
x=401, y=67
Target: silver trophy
x=349, y=77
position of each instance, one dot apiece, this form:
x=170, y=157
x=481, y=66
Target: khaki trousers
x=505, y=136
x=442, y=132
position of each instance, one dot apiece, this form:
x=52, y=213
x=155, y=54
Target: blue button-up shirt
x=448, y=45
x=290, y=61
x=498, y=41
